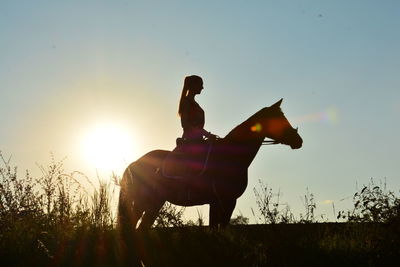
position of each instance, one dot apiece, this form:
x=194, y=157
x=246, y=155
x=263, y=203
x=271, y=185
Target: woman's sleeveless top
x=192, y=120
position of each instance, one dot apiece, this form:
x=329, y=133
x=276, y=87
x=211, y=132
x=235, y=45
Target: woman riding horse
x=192, y=115
x=145, y=188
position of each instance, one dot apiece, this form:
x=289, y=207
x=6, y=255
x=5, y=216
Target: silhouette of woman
x=192, y=115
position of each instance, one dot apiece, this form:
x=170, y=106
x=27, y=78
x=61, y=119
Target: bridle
x=276, y=142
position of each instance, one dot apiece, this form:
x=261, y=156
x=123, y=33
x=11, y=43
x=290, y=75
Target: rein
x=270, y=142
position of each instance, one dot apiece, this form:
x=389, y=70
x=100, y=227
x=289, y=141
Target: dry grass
x=54, y=220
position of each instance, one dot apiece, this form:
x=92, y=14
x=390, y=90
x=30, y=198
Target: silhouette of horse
x=144, y=189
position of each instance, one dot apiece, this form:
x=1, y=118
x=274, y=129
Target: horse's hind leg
x=137, y=212
x=150, y=214
x=129, y=208
x=126, y=213
x=129, y=213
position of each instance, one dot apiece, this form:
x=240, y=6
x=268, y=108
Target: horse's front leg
x=214, y=215
x=228, y=207
x=221, y=212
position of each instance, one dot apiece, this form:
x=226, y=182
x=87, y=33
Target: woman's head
x=192, y=84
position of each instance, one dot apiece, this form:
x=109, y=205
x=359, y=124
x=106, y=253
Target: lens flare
x=256, y=128
x=330, y=116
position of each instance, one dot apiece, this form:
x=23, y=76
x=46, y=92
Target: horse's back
x=143, y=168
x=152, y=159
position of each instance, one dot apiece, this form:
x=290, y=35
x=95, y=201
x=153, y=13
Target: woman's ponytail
x=184, y=93
x=187, y=84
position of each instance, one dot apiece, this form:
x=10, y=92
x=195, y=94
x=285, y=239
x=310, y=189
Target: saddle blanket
x=187, y=160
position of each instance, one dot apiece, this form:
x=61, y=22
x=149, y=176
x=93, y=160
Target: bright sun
x=109, y=147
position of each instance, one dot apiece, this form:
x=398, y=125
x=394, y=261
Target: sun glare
x=108, y=148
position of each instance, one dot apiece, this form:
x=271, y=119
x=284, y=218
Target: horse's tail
x=125, y=202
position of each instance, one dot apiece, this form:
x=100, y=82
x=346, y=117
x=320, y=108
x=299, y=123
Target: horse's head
x=270, y=122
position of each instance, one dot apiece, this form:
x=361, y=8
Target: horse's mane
x=237, y=132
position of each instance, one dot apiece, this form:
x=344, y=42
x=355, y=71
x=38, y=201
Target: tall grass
x=271, y=210
x=38, y=214
x=62, y=218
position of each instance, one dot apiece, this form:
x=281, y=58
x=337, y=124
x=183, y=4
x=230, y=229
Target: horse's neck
x=246, y=142
x=243, y=132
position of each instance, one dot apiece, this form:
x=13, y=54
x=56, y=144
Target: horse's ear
x=277, y=104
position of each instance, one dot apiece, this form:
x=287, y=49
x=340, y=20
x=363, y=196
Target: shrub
x=269, y=206
x=239, y=220
x=310, y=206
x=373, y=203
x=170, y=216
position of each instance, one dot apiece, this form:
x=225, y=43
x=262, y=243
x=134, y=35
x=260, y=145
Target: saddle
x=188, y=159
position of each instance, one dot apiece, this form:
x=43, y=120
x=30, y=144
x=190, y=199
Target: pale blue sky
x=65, y=66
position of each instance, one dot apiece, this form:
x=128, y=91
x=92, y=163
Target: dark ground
x=316, y=244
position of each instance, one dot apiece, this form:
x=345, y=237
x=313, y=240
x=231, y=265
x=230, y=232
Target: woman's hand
x=212, y=137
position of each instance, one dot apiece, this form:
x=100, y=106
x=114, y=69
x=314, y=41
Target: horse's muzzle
x=297, y=145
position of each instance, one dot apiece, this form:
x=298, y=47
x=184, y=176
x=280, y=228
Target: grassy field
x=53, y=220
x=274, y=245
x=317, y=244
